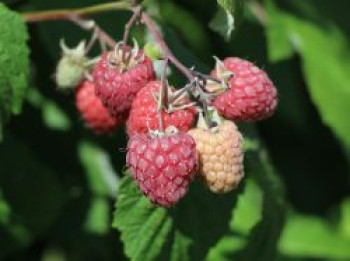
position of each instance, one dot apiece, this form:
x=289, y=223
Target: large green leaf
x=228, y=17
x=258, y=218
x=326, y=64
x=14, y=63
x=345, y=218
x=244, y=217
x=183, y=233
x=307, y=236
x=145, y=228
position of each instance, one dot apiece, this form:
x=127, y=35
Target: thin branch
x=130, y=23
x=163, y=95
x=65, y=13
x=160, y=41
x=90, y=25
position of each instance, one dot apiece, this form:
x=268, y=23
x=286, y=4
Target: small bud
x=153, y=51
x=72, y=66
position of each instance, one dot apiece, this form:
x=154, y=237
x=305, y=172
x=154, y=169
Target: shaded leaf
x=345, y=218
x=307, y=236
x=258, y=218
x=228, y=17
x=97, y=221
x=154, y=233
x=326, y=62
x=279, y=43
x=53, y=116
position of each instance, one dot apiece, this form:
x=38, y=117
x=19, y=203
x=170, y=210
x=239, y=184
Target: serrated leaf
x=307, y=236
x=228, y=17
x=144, y=227
x=154, y=233
x=14, y=62
x=326, y=67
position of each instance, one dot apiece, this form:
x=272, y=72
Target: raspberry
x=144, y=116
x=93, y=112
x=221, y=156
x=162, y=166
x=119, y=76
x=252, y=95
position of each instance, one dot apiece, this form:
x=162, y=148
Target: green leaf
x=258, y=218
x=279, y=43
x=205, y=226
x=223, y=23
x=245, y=216
x=97, y=221
x=345, y=218
x=307, y=236
x=14, y=63
x=228, y=17
x=154, y=233
x=145, y=228
x=326, y=67
x=189, y=28
x=53, y=116
x=98, y=168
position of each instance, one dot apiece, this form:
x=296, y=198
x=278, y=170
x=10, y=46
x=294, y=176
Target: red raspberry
x=162, y=166
x=144, y=116
x=118, y=79
x=252, y=95
x=93, y=112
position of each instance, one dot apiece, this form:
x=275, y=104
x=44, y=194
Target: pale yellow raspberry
x=221, y=156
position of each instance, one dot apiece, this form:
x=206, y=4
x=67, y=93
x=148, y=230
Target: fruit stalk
x=130, y=23
x=163, y=95
x=90, y=25
x=147, y=20
x=62, y=14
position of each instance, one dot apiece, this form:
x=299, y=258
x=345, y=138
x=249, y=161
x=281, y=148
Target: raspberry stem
x=163, y=95
x=62, y=14
x=130, y=23
x=90, y=25
x=147, y=20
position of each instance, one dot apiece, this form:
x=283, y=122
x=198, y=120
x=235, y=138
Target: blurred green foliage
x=64, y=194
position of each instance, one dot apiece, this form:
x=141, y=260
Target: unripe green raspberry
x=72, y=66
x=153, y=51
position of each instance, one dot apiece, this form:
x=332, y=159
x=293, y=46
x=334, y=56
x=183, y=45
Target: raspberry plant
x=186, y=135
